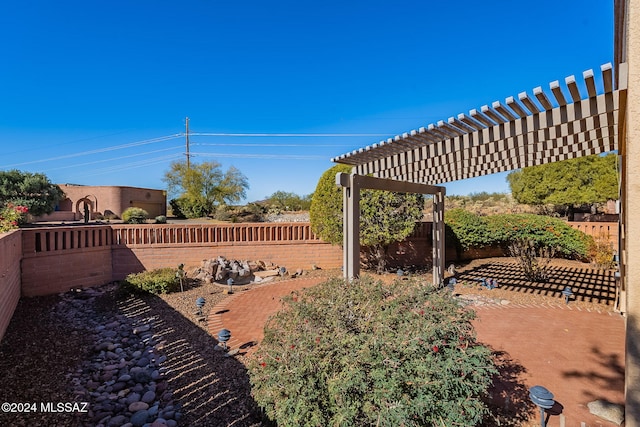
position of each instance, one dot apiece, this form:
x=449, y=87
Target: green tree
x=385, y=217
x=33, y=190
x=202, y=187
x=400, y=354
x=582, y=181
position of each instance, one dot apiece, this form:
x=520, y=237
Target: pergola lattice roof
x=522, y=132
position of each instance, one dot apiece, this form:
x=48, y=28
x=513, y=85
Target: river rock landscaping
x=126, y=361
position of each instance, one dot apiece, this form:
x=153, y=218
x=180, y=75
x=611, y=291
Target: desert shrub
x=161, y=219
x=533, y=260
x=110, y=215
x=222, y=213
x=544, y=231
x=175, y=209
x=135, y=215
x=251, y=212
x=473, y=231
x=158, y=281
x=368, y=353
x=385, y=217
x=282, y=201
x=601, y=253
x=190, y=207
x=467, y=229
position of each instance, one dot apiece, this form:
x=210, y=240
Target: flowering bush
x=366, y=353
x=11, y=217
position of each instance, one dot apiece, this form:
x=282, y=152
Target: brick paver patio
x=245, y=313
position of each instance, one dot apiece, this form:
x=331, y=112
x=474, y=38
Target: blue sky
x=97, y=93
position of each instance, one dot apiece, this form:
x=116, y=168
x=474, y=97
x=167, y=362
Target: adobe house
x=108, y=201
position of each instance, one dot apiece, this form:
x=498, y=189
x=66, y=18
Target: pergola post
x=438, y=238
x=351, y=219
x=350, y=225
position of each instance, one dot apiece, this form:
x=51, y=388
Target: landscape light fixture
x=543, y=399
x=223, y=337
x=200, y=303
x=568, y=293
x=452, y=284
x=180, y=274
x=230, y=283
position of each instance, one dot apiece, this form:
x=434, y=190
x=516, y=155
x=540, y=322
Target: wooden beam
x=492, y=114
x=557, y=93
x=528, y=102
x=517, y=108
x=542, y=98
x=503, y=110
x=590, y=83
x=573, y=88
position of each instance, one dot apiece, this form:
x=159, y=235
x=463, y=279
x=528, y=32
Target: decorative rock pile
x=240, y=272
x=124, y=379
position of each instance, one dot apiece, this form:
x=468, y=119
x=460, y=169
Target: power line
x=187, y=134
x=231, y=144
x=287, y=135
x=262, y=156
x=72, y=142
x=100, y=150
x=114, y=159
x=134, y=165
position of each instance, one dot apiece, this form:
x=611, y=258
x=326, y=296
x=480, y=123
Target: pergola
x=526, y=131
x=564, y=123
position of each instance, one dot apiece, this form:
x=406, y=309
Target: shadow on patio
x=587, y=284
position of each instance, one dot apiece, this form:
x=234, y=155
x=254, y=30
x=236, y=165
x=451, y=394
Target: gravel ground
x=42, y=348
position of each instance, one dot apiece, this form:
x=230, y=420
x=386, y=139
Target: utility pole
x=187, y=142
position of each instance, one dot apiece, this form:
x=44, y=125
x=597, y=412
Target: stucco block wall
x=291, y=255
x=50, y=273
x=56, y=259
x=10, y=255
